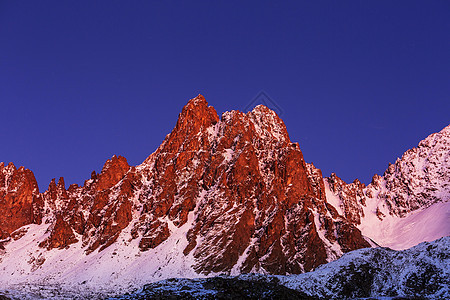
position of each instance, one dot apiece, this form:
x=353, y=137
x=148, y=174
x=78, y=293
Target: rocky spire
x=20, y=201
x=113, y=171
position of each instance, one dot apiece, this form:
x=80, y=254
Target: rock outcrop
x=351, y=197
x=20, y=201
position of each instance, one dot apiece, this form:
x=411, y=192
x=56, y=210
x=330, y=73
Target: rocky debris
x=221, y=287
x=373, y=273
x=418, y=273
x=19, y=233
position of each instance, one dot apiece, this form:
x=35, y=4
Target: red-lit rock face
x=20, y=201
x=252, y=198
x=61, y=236
x=249, y=201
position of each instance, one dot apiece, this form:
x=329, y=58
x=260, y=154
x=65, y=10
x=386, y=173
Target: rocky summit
x=230, y=194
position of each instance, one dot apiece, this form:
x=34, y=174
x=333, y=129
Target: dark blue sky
x=359, y=82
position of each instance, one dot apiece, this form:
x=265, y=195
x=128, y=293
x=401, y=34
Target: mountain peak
x=11, y=167
x=268, y=124
x=262, y=108
x=407, y=189
x=61, y=184
x=195, y=117
x=197, y=112
x=200, y=99
x=197, y=104
x=19, y=194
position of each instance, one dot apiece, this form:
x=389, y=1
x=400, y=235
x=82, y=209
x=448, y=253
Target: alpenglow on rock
x=229, y=194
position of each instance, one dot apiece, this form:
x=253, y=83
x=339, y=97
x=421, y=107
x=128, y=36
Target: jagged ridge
x=230, y=194
x=416, y=181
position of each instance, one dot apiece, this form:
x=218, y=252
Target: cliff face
x=230, y=194
x=253, y=201
x=19, y=199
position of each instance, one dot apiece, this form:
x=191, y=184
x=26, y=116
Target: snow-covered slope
x=401, y=233
x=418, y=273
x=409, y=204
x=420, y=178
x=117, y=269
x=421, y=271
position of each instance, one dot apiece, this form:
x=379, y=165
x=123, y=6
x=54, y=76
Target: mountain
x=409, y=204
x=220, y=195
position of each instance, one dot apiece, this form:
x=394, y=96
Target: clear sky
x=358, y=82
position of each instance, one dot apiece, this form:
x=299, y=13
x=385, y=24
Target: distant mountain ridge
x=220, y=195
x=416, y=181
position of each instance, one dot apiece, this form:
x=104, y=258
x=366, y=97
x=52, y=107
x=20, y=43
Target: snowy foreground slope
x=401, y=233
x=421, y=272
x=117, y=269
